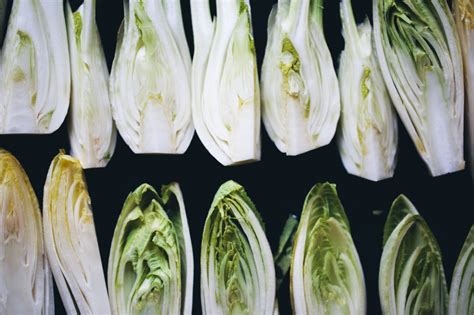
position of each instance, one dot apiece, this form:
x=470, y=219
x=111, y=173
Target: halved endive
x=91, y=128
x=300, y=92
x=420, y=58
x=368, y=132
x=151, y=260
x=34, y=68
x=461, y=293
x=326, y=274
x=150, y=85
x=70, y=239
x=225, y=89
x=411, y=275
x=26, y=284
x=237, y=269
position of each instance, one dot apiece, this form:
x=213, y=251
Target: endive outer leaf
x=368, y=132
x=70, y=239
x=237, y=268
x=411, y=275
x=150, y=85
x=300, y=92
x=26, y=283
x=420, y=58
x=34, y=68
x=461, y=294
x=92, y=131
x=225, y=89
x=151, y=259
x=326, y=275
x=285, y=248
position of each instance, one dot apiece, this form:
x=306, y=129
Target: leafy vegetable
x=26, y=284
x=34, y=68
x=70, y=239
x=151, y=259
x=461, y=294
x=237, y=271
x=326, y=274
x=150, y=79
x=420, y=59
x=91, y=130
x=368, y=132
x=411, y=275
x=226, y=97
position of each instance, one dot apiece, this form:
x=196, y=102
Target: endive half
x=26, y=284
x=151, y=260
x=70, y=239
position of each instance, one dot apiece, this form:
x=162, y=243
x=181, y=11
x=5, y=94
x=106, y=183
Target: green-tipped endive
x=151, y=260
x=368, y=134
x=237, y=268
x=420, y=59
x=91, y=129
x=300, y=93
x=34, y=68
x=70, y=239
x=411, y=275
x=225, y=89
x=150, y=86
x=26, y=285
x=326, y=275
x=461, y=294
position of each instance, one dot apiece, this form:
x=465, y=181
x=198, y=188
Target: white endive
x=34, y=68
x=151, y=264
x=150, y=85
x=237, y=270
x=91, y=129
x=70, y=239
x=420, y=59
x=300, y=93
x=26, y=284
x=326, y=275
x=225, y=89
x=368, y=132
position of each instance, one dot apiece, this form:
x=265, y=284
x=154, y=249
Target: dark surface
x=278, y=184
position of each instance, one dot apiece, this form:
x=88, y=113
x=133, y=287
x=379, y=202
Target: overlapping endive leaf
x=225, y=89
x=150, y=85
x=461, y=294
x=326, y=275
x=34, y=68
x=91, y=129
x=368, y=132
x=70, y=239
x=420, y=58
x=26, y=284
x=237, y=268
x=300, y=92
x=151, y=260
x=411, y=275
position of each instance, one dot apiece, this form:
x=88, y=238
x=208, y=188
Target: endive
x=300, y=92
x=461, y=293
x=26, y=284
x=420, y=58
x=34, y=68
x=368, y=133
x=150, y=79
x=326, y=274
x=91, y=129
x=411, y=275
x=151, y=258
x=225, y=90
x=70, y=239
x=237, y=271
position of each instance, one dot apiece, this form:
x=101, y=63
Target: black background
x=278, y=184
